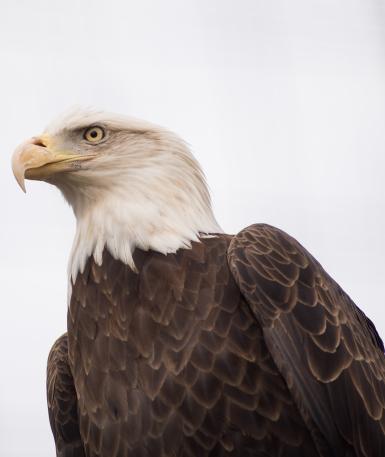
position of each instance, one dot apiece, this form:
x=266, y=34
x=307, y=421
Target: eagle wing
x=62, y=402
x=328, y=351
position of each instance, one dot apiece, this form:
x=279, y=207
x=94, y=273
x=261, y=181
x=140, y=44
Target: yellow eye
x=94, y=134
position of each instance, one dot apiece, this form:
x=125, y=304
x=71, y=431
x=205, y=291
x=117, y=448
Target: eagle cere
x=185, y=341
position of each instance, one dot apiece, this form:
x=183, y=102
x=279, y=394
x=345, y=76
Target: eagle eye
x=94, y=134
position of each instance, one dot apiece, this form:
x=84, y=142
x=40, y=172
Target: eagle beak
x=37, y=159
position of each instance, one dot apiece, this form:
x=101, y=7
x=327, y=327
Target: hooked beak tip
x=22, y=184
x=18, y=172
x=19, y=176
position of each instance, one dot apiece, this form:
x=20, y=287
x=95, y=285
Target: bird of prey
x=184, y=341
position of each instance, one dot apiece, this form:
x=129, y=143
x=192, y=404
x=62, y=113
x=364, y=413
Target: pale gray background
x=283, y=102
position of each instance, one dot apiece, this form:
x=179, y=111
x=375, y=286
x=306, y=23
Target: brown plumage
x=239, y=346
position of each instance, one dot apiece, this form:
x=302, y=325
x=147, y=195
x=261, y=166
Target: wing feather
x=62, y=403
x=328, y=351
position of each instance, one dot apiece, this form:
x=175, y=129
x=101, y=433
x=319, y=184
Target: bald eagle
x=184, y=341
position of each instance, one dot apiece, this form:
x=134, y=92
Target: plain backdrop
x=282, y=102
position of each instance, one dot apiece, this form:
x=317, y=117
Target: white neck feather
x=148, y=201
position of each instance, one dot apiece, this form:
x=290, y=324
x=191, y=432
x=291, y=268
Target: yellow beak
x=35, y=159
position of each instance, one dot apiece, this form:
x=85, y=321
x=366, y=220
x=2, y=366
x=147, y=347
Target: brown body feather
x=247, y=350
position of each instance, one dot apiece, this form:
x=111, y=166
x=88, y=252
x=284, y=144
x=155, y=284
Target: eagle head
x=130, y=183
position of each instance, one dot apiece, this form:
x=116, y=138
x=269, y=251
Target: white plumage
x=143, y=189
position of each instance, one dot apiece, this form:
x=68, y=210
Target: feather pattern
x=170, y=361
x=62, y=402
x=328, y=351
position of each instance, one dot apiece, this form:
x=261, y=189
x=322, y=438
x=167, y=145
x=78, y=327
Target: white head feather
x=144, y=189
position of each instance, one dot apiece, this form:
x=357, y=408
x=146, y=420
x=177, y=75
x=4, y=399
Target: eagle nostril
x=38, y=142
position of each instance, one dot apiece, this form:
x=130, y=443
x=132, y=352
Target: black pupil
x=93, y=134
